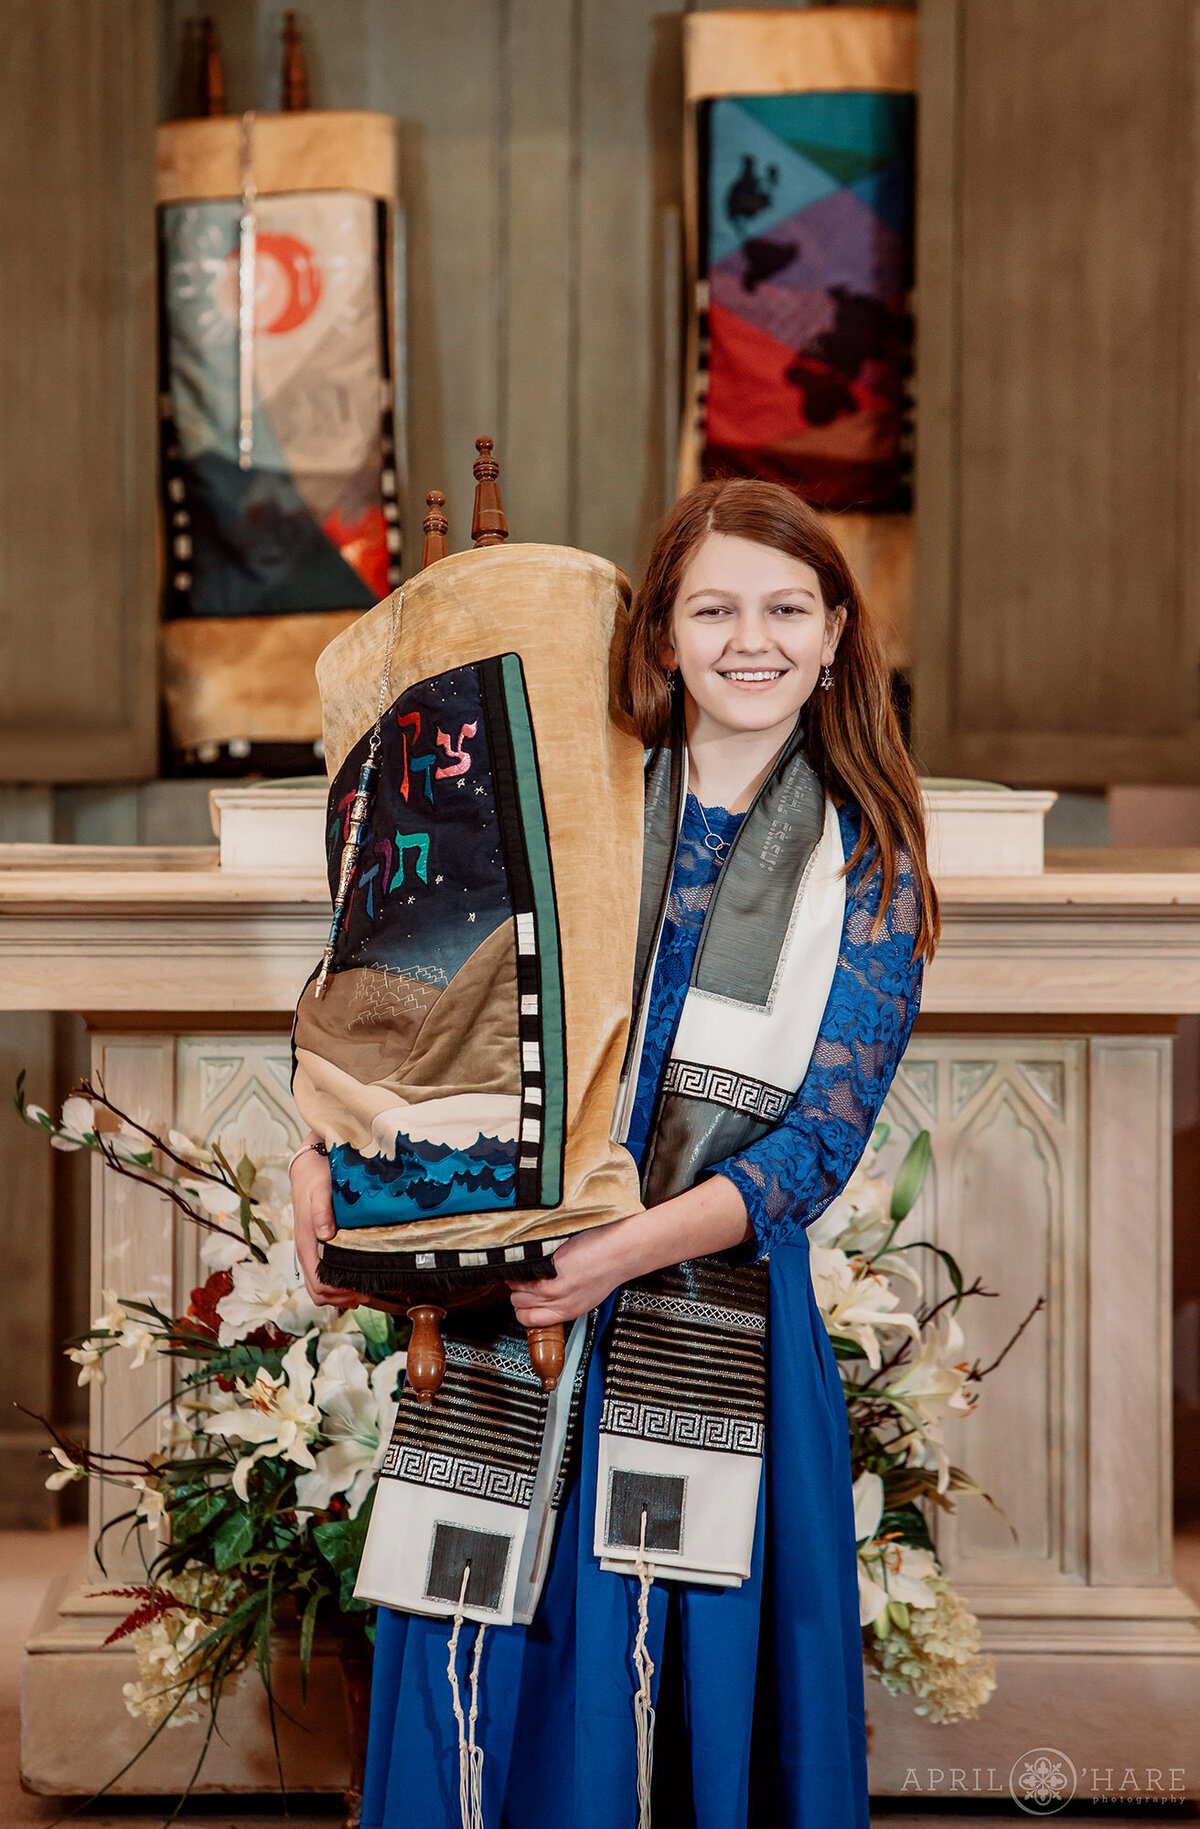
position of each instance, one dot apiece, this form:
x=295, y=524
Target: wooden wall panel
x=27, y=1291
x=1057, y=629
x=77, y=441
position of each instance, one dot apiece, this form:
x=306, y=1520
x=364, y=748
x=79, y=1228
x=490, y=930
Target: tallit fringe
x=643, y=1708
x=470, y=1753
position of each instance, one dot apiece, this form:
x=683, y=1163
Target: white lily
x=854, y=1301
x=271, y=1291
x=66, y=1471
x=280, y=1417
x=220, y=1251
x=129, y=1331
x=893, y=1572
x=273, y=1193
x=90, y=1362
x=218, y=1200
x=184, y=1146
x=868, y=1506
x=927, y=1389
x=153, y=1502
x=358, y=1411
x=860, y=1218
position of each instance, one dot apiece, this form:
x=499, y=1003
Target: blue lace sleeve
x=790, y=1176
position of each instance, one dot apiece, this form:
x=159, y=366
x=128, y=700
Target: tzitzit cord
x=470, y=1754
x=643, y=1708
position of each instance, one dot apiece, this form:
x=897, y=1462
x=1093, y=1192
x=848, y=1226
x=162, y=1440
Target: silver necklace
x=713, y=841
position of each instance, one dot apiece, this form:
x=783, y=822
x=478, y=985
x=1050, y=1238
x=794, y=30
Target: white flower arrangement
x=260, y=1496
x=267, y=1474
x=904, y=1374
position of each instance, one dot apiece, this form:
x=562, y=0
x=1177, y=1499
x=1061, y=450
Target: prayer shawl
x=464, y=1512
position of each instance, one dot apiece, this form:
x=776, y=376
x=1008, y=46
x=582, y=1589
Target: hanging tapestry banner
x=279, y=443
x=801, y=176
x=807, y=255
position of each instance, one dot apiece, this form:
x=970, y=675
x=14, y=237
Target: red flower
x=202, y=1309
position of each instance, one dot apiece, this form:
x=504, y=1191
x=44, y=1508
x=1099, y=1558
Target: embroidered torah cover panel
x=807, y=250
x=437, y=1051
x=267, y=559
x=464, y=1061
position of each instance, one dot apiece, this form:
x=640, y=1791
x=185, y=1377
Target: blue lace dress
x=764, y=1721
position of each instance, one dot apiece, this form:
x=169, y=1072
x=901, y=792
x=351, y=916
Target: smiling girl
x=705, y=1551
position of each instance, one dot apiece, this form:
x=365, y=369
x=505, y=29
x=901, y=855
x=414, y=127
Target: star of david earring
x=826, y=678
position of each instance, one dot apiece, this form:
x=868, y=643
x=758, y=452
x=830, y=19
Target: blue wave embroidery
x=422, y=1181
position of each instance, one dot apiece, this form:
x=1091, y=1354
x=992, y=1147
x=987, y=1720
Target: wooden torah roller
x=426, y=1366
x=427, y=1301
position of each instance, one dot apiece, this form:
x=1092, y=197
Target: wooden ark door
x=1058, y=382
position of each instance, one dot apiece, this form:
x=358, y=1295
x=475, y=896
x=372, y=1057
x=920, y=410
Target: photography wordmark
x=1044, y=1780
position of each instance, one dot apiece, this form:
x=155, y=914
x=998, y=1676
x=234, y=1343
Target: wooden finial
x=188, y=92
x=295, y=70
x=426, y=1364
x=436, y=528
x=488, y=525
x=547, y=1353
x=212, y=72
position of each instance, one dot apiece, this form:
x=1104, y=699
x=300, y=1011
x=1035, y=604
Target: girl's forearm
x=706, y=1218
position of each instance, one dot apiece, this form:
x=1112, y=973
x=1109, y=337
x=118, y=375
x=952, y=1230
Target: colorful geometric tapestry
x=798, y=158
x=807, y=250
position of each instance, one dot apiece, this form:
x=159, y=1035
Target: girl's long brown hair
x=853, y=738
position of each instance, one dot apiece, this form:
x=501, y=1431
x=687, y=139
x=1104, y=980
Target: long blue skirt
x=765, y=1705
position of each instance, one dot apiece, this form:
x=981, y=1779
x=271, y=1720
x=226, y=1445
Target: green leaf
x=373, y=1324
x=190, y=1519
x=308, y=1626
x=899, y=1613
x=246, y=1175
x=910, y=1175
x=341, y=1543
x=880, y=1135
x=951, y=1264
x=232, y=1542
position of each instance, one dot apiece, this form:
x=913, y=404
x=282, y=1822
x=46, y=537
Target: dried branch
x=94, y=1090
x=977, y=1371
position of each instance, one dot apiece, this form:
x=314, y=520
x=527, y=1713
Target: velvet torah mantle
x=463, y=1061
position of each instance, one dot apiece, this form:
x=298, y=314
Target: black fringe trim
x=342, y=1269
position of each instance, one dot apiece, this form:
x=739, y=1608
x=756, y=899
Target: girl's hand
x=590, y=1265
x=312, y=1205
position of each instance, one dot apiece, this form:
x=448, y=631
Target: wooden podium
x=1041, y=1065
